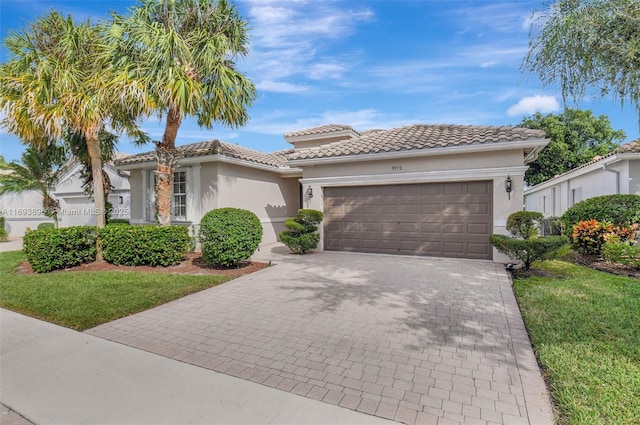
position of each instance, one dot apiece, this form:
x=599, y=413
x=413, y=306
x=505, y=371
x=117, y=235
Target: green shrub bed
x=615, y=209
x=144, y=245
x=53, y=249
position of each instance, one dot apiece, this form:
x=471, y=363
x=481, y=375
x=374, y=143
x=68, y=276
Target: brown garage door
x=431, y=219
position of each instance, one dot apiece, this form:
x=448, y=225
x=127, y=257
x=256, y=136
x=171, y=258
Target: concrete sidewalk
x=54, y=375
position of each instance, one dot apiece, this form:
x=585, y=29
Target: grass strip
x=585, y=328
x=82, y=300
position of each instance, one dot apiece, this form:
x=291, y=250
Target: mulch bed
x=192, y=264
x=598, y=263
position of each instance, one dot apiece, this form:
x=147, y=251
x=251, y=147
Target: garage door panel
x=434, y=219
x=478, y=229
x=478, y=188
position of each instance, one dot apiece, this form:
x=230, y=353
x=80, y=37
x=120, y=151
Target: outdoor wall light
x=508, y=184
x=309, y=192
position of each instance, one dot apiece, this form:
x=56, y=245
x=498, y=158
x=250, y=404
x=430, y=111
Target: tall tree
x=183, y=51
x=61, y=79
x=39, y=170
x=588, y=43
x=576, y=137
x=78, y=147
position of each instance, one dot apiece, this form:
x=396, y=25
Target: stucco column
x=194, y=195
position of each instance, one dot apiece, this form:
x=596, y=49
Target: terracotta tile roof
x=415, y=137
x=631, y=147
x=212, y=147
x=329, y=128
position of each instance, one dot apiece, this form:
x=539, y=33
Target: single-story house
x=618, y=172
x=431, y=190
x=24, y=210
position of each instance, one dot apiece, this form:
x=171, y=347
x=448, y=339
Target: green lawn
x=585, y=328
x=82, y=300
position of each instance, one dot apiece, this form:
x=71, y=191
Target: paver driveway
x=416, y=340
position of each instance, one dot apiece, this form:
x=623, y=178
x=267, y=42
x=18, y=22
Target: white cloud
x=289, y=37
x=532, y=104
x=501, y=17
x=321, y=71
x=281, y=122
x=281, y=87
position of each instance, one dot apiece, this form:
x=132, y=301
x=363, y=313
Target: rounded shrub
x=615, y=209
x=228, y=236
x=46, y=225
x=524, y=224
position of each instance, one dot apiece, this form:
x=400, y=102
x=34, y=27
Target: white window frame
x=150, y=206
x=179, y=198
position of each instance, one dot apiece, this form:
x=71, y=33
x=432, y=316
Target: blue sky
x=369, y=64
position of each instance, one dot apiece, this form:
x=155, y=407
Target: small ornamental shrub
x=46, y=225
x=528, y=250
x=58, y=248
x=524, y=224
x=228, y=236
x=617, y=251
x=616, y=209
x=524, y=244
x=4, y=236
x=589, y=236
x=550, y=226
x=302, y=234
x=144, y=245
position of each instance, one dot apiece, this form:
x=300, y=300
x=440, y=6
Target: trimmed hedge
x=229, y=236
x=52, y=249
x=144, y=245
x=615, y=209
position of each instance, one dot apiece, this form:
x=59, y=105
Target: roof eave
x=198, y=159
x=480, y=147
x=583, y=169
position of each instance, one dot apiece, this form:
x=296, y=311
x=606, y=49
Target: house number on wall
x=396, y=168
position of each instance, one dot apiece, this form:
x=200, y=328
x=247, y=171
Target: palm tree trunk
x=166, y=158
x=93, y=147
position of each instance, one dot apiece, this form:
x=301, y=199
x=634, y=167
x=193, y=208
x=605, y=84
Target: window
x=180, y=195
x=179, y=201
x=576, y=195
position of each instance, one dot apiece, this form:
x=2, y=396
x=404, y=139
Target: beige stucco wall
x=137, y=195
x=477, y=160
x=24, y=210
x=493, y=166
x=271, y=197
x=634, y=176
x=553, y=198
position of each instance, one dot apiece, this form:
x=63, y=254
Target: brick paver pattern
x=418, y=341
x=9, y=417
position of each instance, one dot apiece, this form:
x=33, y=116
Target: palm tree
x=39, y=171
x=60, y=79
x=183, y=51
x=78, y=147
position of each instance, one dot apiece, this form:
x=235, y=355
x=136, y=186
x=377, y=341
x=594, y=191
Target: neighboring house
x=617, y=172
x=432, y=190
x=24, y=210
